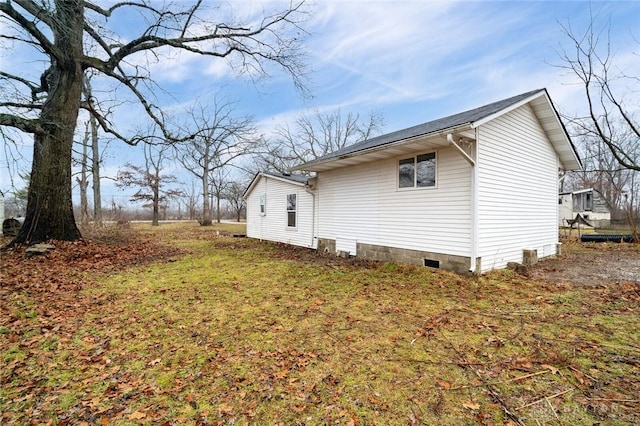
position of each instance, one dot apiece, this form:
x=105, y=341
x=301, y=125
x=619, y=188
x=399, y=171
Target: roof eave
x=270, y=176
x=312, y=166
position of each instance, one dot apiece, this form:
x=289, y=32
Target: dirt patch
x=592, y=264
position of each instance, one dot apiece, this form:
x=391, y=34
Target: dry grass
x=235, y=331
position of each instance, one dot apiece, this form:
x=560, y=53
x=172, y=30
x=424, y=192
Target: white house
x=588, y=203
x=280, y=208
x=468, y=192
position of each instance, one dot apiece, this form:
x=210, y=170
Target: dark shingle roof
x=294, y=178
x=438, y=125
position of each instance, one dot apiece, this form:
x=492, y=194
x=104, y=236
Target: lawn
x=181, y=324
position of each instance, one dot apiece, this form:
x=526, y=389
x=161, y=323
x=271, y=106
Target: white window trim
x=291, y=228
x=262, y=202
x=415, y=175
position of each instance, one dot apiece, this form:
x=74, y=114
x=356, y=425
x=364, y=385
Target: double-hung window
x=291, y=210
x=418, y=171
x=263, y=204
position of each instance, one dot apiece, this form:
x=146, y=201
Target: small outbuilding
x=588, y=203
x=469, y=192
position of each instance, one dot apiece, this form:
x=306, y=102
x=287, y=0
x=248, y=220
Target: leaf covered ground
x=188, y=325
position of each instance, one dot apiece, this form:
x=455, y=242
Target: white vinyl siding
x=273, y=224
x=517, y=189
x=363, y=203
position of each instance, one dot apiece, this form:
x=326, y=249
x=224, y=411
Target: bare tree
x=314, y=135
x=152, y=185
x=83, y=181
x=234, y=196
x=95, y=152
x=90, y=133
x=191, y=200
x=73, y=36
x=612, y=117
x=602, y=172
x=220, y=138
x=612, y=112
x=219, y=181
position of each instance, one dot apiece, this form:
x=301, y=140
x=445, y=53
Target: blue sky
x=411, y=61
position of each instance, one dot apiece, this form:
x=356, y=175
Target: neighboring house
x=468, y=192
x=586, y=202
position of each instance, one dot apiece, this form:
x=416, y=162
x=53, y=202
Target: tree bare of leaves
x=234, y=196
x=218, y=181
x=73, y=36
x=82, y=180
x=220, y=137
x=153, y=190
x=602, y=172
x=90, y=163
x=191, y=200
x=611, y=95
x=314, y=135
x=612, y=112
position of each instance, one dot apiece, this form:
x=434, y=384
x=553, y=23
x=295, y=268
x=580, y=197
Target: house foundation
x=459, y=264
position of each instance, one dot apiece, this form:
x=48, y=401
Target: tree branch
x=20, y=123
x=39, y=13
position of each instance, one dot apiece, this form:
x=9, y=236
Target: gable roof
x=467, y=120
x=294, y=179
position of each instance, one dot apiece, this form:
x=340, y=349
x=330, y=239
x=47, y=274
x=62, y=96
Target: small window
x=263, y=204
x=588, y=201
x=418, y=171
x=291, y=210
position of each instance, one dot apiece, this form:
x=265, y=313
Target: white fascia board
x=281, y=179
x=253, y=183
x=507, y=109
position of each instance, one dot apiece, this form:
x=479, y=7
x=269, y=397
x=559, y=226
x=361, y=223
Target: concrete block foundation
x=459, y=264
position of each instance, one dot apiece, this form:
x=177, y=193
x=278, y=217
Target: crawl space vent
x=432, y=263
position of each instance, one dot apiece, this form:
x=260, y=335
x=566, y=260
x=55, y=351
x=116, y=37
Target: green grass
x=237, y=331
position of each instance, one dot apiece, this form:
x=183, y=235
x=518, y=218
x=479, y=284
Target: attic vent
x=431, y=263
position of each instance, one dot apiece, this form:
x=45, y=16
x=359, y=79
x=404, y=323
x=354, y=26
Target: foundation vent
x=431, y=263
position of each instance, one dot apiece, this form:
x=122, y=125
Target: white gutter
x=444, y=132
x=474, y=197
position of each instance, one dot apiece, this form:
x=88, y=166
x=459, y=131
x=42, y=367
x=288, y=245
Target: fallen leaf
x=224, y=409
x=136, y=415
x=551, y=368
x=443, y=384
x=471, y=405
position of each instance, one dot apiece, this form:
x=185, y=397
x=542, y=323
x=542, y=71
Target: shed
x=588, y=203
x=468, y=192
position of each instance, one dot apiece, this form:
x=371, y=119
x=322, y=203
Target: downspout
x=475, y=205
x=313, y=212
x=474, y=198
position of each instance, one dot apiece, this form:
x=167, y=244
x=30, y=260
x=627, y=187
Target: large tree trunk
x=206, y=207
x=49, y=206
